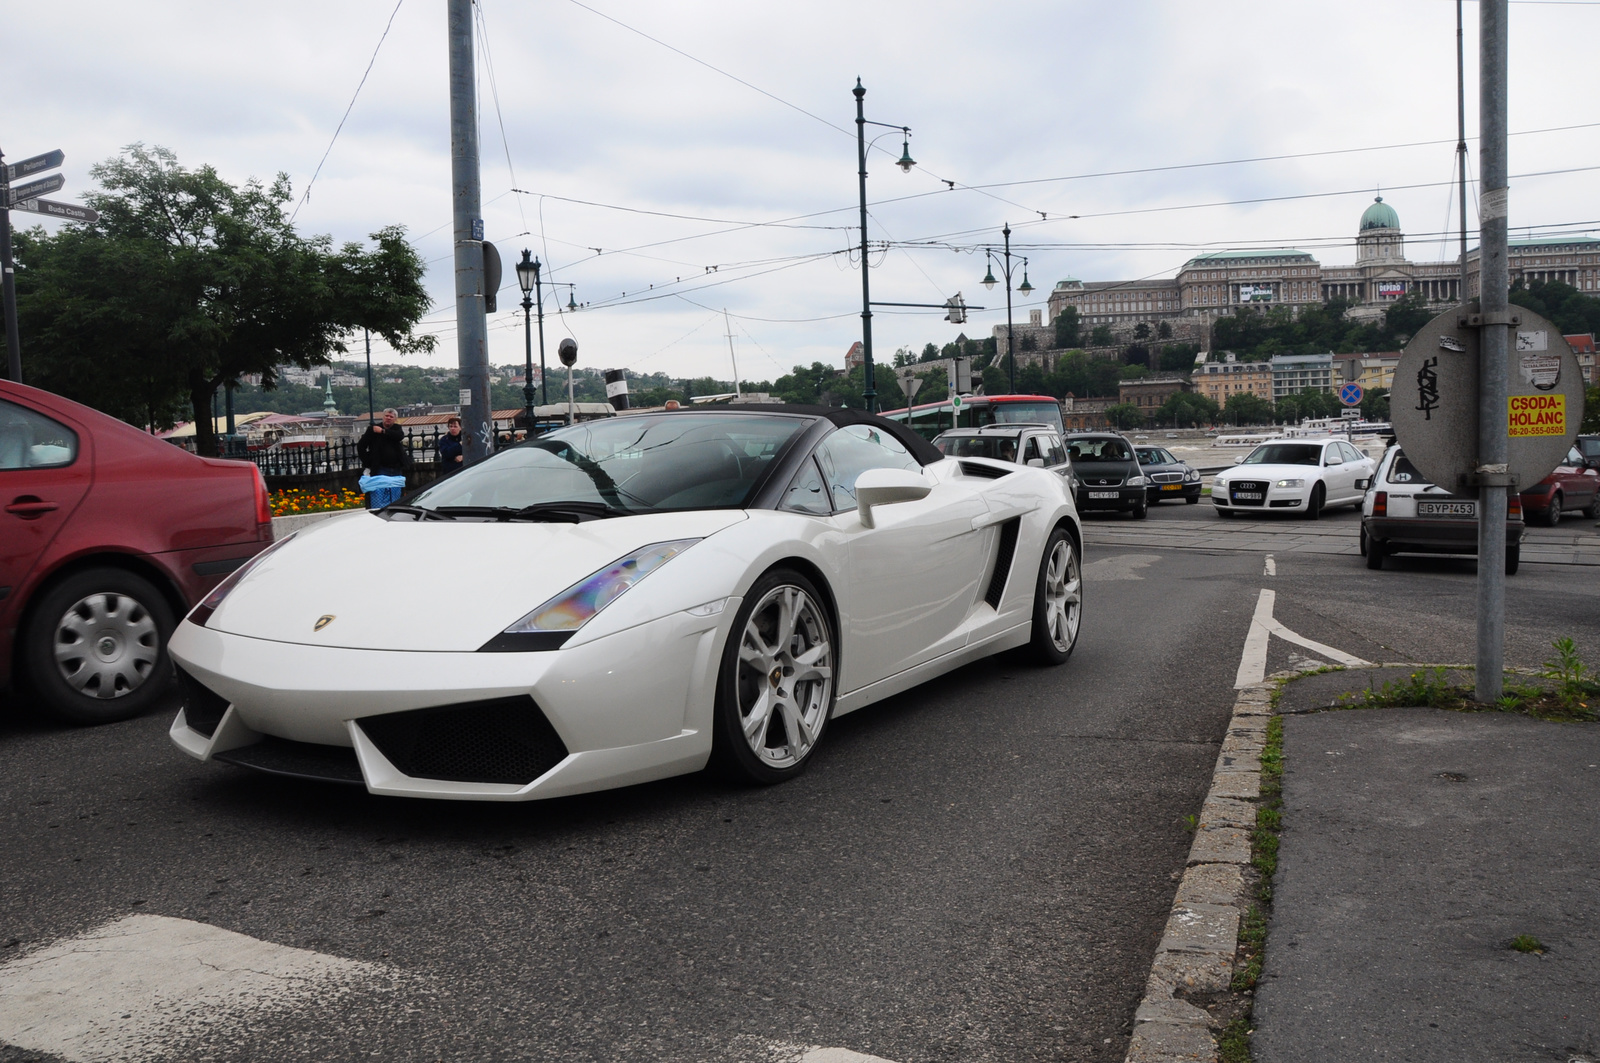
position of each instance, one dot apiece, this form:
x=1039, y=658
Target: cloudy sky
x=707, y=148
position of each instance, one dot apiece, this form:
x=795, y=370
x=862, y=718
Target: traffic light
x=958, y=310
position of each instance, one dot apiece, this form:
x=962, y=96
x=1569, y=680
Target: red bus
x=929, y=419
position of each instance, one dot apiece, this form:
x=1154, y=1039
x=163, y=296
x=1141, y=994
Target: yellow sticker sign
x=1537, y=415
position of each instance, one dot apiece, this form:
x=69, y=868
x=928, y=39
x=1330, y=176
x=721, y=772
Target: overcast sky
x=735, y=126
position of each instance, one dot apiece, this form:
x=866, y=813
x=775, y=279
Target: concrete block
x=1220, y=845
x=1212, y=928
x=1211, y=884
x=1244, y=745
x=1226, y=812
x=1200, y=972
x=1252, y=725
x=1168, y=1009
x=1161, y=1042
x=1235, y=763
x=1244, y=785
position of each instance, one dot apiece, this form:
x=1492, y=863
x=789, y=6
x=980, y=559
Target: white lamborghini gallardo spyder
x=624, y=600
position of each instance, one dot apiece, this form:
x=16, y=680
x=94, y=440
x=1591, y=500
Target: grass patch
x=1567, y=691
x=1233, y=1044
x=1527, y=943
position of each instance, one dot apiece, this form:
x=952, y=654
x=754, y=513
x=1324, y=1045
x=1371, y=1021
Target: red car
x=107, y=537
x=1575, y=484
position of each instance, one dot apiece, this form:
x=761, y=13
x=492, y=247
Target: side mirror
x=883, y=487
x=1363, y=484
x=1037, y=463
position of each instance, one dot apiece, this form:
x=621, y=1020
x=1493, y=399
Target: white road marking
x=137, y=987
x=1123, y=566
x=1253, y=661
x=1270, y=568
x=792, y=1053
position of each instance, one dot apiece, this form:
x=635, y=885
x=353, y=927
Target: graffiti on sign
x=1536, y=415
x=1428, y=388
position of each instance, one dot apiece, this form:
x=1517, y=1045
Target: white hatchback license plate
x=1103, y=494
x=1447, y=509
x=1251, y=496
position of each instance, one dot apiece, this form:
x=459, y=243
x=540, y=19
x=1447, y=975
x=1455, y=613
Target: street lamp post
x=990, y=255
x=530, y=280
x=870, y=392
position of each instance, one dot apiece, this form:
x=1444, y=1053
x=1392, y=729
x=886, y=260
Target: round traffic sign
x=1351, y=394
x=955, y=402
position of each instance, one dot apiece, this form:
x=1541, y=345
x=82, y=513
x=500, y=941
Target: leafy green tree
x=1101, y=336
x=1243, y=407
x=1067, y=328
x=1163, y=331
x=1185, y=409
x=1134, y=372
x=1591, y=411
x=1177, y=357
x=929, y=353
x=1568, y=309
x=1141, y=331
x=1029, y=342
x=187, y=282
x=1375, y=404
x=1125, y=415
x=1405, y=316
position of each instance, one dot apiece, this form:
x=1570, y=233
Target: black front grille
x=1102, y=481
x=1002, y=562
x=1257, y=487
x=506, y=740
x=297, y=760
x=203, y=707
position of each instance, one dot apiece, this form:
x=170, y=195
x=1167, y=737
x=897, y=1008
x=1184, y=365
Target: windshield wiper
x=415, y=511
x=570, y=512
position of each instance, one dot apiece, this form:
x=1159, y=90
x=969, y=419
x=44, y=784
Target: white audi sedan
x=1302, y=476
x=624, y=600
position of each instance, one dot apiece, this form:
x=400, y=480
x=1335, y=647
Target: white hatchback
x=1293, y=475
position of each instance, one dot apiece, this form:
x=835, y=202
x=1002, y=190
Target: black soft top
x=925, y=452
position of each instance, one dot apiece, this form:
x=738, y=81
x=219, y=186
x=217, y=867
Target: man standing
x=382, y=449
x=451, y=456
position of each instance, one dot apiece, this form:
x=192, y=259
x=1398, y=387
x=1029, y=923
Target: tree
x=1029, y=342
x=1375, y=404
x=1067, y=328
x=1163, y=331
x=1568, y=309
x=1177, y=357
x=1185, y=409
x=1125, y=415
x=1243, y=407
x=187, y=283
x=1405, y=316
x=1141, y=331
x=1101, y=337
x=1591, y=410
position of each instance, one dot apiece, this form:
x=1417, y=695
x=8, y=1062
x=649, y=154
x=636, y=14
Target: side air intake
x=987, y=472
x=203, y=708
x=1002, y=562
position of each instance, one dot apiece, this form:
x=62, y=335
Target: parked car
x=1575, y=484
x=1401, y=513
x=1037, y=445
x=107, y=536
x=1589, y=447
x=714, y=586
x=1169, y=478
x=1297, y=476
x=1106, y=474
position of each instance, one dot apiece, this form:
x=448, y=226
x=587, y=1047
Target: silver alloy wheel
x=785, y=680
x=1063, y=596
x=106, y=645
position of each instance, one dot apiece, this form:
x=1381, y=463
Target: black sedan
x=1170, y=479
x=1106, y=474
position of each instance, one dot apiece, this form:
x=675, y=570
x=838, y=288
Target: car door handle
x=29, y=508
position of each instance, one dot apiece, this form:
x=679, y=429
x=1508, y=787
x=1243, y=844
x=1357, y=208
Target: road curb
x=1197, y=949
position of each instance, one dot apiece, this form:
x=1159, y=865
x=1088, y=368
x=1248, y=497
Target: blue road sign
x=1351, y=394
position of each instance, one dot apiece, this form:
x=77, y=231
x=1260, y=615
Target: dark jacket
x=450, y=454
x=383, y=450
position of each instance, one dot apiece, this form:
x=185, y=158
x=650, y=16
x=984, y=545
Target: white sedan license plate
x=1251, y=496
x=1103, y=494
x=1447, y=509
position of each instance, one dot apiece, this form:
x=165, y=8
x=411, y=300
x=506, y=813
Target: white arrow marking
x=1253, y=662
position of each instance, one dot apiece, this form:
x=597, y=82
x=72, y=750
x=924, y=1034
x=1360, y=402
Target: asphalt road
x=976, y=870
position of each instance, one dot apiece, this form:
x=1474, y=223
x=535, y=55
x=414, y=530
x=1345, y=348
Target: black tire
x=1142, y=510
x=1375, y=553
x=740, y=690
x=95, y=647
x=1592, y=510
x=1552, y=516
x=1314, y=505
x=1513, y=559
x=1222, y=512
x=1363, y=546
x=1192, y=499
x=1057, y=603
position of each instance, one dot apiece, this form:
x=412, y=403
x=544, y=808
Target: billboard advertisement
x=1255, y=293
x=1391, y=289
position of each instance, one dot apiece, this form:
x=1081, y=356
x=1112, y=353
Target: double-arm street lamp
x=529, y=280
x=870, y=392
x=1004, y=258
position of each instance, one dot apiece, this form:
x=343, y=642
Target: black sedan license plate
x=1447, y=509
x=1172, y=487
x=1103, y=494
x=1252, y=496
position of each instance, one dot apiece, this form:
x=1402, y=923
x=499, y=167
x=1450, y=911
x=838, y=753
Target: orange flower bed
x=292, y=502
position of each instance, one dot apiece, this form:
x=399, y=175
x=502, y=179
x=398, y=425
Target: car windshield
x=1154, y=456
x=1286, y=454
x=1093, y=450
x=1001, y=448
x=1403, y=472
x=623, y=465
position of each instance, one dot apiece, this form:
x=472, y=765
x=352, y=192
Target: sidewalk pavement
x=1416, y=844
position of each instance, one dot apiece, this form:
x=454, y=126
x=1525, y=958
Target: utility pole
x=8, y=281
x=1461, y=144
x=728, y=323
x=367, y=333
x=1493, y=284
x=870, y=392
x=472, y=341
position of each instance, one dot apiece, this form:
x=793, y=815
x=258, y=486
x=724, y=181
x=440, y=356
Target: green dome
x=1380, y=216
x=1069, y=282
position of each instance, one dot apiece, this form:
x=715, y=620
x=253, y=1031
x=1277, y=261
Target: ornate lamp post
x=870, y=392
x=532, y=285
x=1004, y=258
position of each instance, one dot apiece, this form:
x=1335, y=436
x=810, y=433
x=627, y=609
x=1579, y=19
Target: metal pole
x=728, y=324
x=1493, y=283
x=572, y=409
x=368, y=334
x=8, y=281
x=1461, y=144
x=538, y=294
x=472, y=346
x=527, y=361
x=870, y=392
x=1011, y=356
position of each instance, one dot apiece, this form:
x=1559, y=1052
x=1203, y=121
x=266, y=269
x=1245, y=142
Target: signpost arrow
x=38, y=164
x=34, y=190
x=68, y=211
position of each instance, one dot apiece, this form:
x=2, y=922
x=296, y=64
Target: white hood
x=1270, y=472
x=432, y=585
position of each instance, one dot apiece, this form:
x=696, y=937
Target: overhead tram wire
x=494, y=94
x=305, y=197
